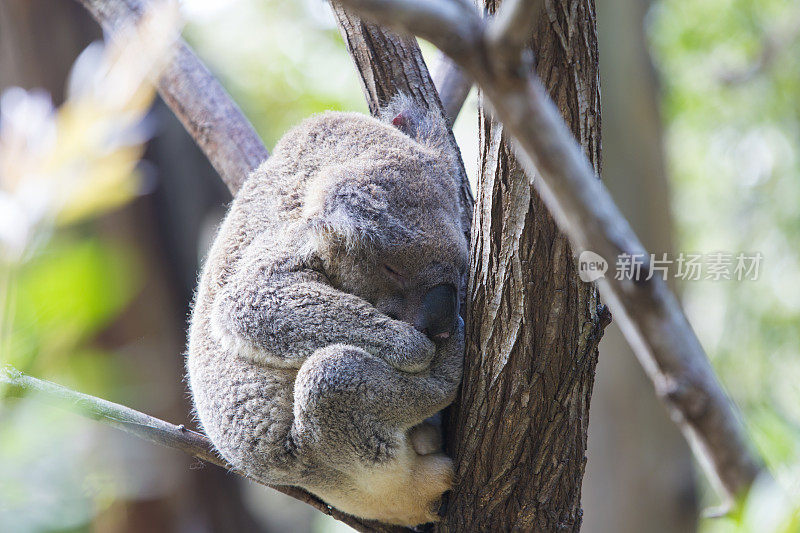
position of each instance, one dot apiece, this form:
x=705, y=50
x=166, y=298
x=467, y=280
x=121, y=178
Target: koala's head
x=387, y=222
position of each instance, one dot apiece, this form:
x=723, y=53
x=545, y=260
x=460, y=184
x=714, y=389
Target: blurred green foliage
x=730, y=71
x=51, y=477
x=61, y=283
x=49, y=480
x=65, y=296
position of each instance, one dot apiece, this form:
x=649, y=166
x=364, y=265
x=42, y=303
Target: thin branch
x=151, y=429
x=202, y=105
x=453, y=86
x=448, y=23
x=648, y=313
x=124, y=418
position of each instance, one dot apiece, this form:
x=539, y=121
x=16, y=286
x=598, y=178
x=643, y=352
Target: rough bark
x=520, y=425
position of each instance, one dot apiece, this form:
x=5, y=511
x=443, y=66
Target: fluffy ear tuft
x=427, y=127
x=355, y=215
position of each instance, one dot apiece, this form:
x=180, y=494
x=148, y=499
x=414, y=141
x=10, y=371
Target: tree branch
x=204, y=108
x=648, y=313
x=151, y=429
x=124, y=418
x=453, y=86
x=449, y=23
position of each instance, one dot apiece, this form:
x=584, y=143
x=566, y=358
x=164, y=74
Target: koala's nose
x=439, y=312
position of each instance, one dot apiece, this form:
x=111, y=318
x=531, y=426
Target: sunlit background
x=106, y=207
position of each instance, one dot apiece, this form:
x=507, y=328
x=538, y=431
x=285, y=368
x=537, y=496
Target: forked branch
x=646, y=310
x=447, y=23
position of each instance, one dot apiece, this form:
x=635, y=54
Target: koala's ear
x=427, y=127
x=403, y=123
x=352, y=213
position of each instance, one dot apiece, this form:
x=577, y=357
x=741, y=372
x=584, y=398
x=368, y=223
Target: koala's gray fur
x=299, y=375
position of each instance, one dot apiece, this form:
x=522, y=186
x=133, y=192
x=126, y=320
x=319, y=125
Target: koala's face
x=418, y=281
x=418, y=287
x=411, y=282
x=387, y=227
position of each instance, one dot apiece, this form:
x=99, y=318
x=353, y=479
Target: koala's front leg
x=284, y=317
x=393, y=398
x=354, y=410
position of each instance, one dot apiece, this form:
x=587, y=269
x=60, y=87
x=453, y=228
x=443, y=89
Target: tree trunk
x=520, y=425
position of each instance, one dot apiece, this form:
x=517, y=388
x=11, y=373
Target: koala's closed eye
x=393, y=274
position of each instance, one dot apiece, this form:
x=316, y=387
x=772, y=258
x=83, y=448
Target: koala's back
x=247, y=408
x=275, y=194
x=231, y=396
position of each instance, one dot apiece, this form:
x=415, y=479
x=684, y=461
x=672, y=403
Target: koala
x=326, y=324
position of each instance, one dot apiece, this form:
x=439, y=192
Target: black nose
x=439, y=312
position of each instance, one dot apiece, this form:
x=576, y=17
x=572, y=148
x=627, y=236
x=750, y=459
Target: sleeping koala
x=326, y=327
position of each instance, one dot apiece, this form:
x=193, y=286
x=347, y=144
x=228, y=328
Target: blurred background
x=107, y=207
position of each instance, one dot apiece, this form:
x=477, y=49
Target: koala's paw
x=407, y=492
x=412, y=352
x=418, y=498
